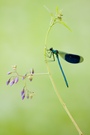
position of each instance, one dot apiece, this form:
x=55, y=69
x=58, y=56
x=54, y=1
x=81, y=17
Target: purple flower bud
x=8, y=82
x=23, y=97
x=12, y=82
x=23, y=93
x=16, y=79
x=9, y=73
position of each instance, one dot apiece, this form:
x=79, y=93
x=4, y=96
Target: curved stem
x=55, y=88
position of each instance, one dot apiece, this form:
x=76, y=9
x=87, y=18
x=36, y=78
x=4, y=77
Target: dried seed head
x=24, y=76
x=27, y=95
x=30, y=77
x=14, y=67
x=32, y=71
x=31, y=95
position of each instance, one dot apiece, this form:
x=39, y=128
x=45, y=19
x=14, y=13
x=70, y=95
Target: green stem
x=55, y=88
x=48, y=34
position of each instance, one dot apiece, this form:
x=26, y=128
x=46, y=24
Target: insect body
x=71, y=58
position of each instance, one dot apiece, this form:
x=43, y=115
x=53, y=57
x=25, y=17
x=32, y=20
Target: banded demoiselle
x=71, y=58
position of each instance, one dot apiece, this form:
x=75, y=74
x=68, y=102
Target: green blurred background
x=23, y=26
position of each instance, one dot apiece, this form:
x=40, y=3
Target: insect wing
x=71, y=58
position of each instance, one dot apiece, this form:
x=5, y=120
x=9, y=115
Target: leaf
x=63, y=23
x=57, y=9
x=48, y=10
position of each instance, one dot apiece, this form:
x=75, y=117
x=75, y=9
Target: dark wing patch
x=72, y=58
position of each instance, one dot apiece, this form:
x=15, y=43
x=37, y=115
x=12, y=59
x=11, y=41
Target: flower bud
x=16, y=79
x=8, y=81
x=14, y=67
x=31, y=95
x=30, y=77
x=23, y=93
x=12, y=82
x=9, y=73
x=32, y=71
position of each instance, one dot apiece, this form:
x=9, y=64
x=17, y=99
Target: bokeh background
x=23, y=26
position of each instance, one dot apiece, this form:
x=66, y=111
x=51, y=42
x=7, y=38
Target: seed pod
x=27, y=94
x=14, y=67
x=30, y=77
x=32, y=71
x=31, y=95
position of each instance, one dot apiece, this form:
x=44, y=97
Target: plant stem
x=55, y=88
x=62, y=102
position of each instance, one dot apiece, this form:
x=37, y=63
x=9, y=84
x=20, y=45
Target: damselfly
x=71, y=58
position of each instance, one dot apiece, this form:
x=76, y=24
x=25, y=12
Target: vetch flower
x=16, y=79
x=12, y=82
x=8, y=81
x=9, y=73
x=23, y=93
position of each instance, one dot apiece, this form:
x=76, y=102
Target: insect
x=71, y=58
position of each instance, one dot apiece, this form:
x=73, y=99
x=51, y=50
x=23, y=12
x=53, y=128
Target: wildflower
x=16, y=79
x=9, y=73
x=12, y=82
x=8, y=81
x=23, y=93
